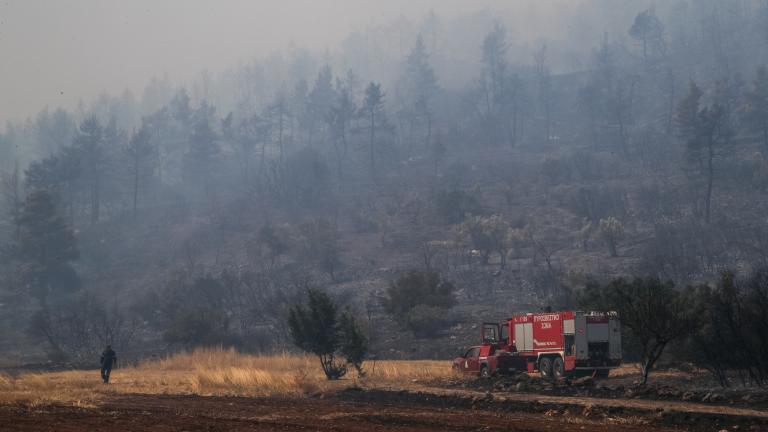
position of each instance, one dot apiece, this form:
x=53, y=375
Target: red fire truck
x=555, y=344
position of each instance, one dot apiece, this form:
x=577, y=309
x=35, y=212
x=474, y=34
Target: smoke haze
x=58, y=53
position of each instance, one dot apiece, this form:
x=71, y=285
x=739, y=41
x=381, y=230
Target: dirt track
x=347, y=411
x=632, y=404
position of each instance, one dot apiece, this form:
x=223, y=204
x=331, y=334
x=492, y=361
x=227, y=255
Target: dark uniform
x=108, y=359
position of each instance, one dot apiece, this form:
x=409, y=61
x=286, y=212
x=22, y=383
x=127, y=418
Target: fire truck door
x=472, y=360
x=580, y=337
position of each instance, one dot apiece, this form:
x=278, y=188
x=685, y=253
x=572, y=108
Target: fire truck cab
x=555, y=344
x=485, y=360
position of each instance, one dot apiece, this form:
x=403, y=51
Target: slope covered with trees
x=495, y=179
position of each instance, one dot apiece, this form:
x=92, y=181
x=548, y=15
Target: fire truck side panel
x=547, y=332
x=522, y=336
x=568, y=327
x=614, y=338
x=597, y=332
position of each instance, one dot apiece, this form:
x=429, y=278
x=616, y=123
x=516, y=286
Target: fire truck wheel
x=558, y=368
x=545, y=367
x=485, y=372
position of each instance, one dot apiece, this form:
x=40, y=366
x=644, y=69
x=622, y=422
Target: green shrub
x=453, y=205
x=416, y=297
x=612, y=231
x=425, y=320
x=199, y=327
x=318, y=329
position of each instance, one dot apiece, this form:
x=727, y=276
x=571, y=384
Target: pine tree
x=60, y=174
x=203, y=151
x=706, y=134
x=354, y=344
x=544, y=84
x=499, y=88
x=338, y=119
x=495, y=65
x=318, y=329
x=321, y=245
x=421, y=86
x=755, y=111
x=373, y=112
x=7, y=152
x=278, y=114
x=299, y=106
x=649, y=31
x=10, y=188
x=45, y=247
x=140, y=152
x=321, y=98
x=54, y=130
x=90, y=145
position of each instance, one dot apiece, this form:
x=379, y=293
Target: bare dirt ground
x=360, y=410
x=338, y=413
x=671, y=385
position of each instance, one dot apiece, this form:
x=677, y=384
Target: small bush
x=269, y=244
x=363, y=223
x=199, y=327
x=596, y=203
x=656, y=200
x=556, y=170
x=306, y=179
x=417, y=297
x=612, y=231
x=489, y=234
x=587, y=166
x=320, y=245
x=354, y=344
x=426, y=320
x=759, y=173
x=453, y=205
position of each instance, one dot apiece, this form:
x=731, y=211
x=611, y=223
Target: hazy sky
x=56, y=52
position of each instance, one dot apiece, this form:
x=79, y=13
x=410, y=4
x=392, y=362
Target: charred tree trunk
x=135, y=185
x=710, y=180
x=650, y=358
x=372, y=143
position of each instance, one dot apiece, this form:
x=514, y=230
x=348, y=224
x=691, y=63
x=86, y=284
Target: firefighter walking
x=108, y=359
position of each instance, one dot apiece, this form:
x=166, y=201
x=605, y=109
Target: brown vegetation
x=212, y=372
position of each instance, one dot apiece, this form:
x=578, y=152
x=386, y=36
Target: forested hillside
x=427, y=182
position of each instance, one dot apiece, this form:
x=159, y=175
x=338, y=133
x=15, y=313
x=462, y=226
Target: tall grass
x=215, y=372
x=402, y=372
x=42, y=388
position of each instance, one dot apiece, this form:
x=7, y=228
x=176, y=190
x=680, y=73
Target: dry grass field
x=213, y=372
